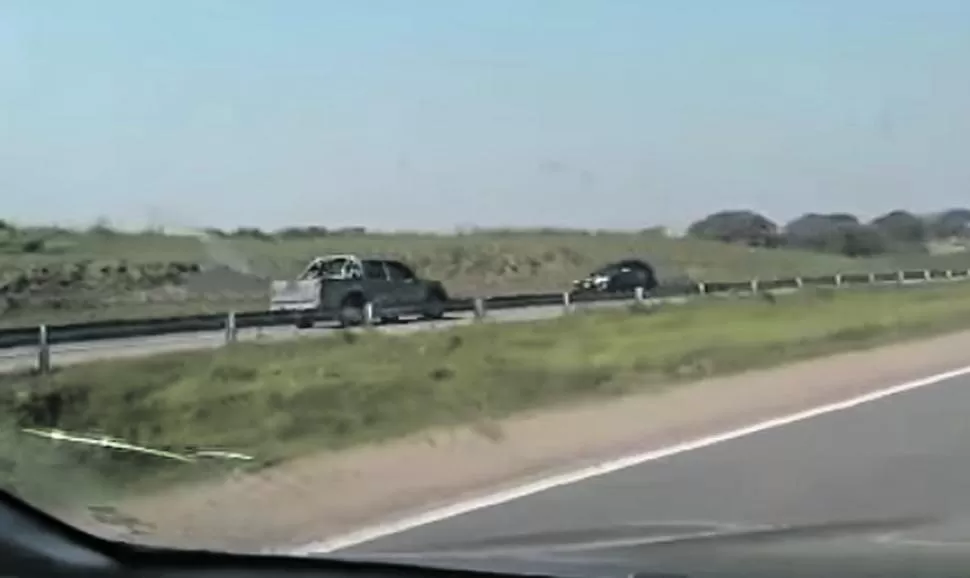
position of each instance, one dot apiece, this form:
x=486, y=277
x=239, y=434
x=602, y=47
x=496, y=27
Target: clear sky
x=438, y=113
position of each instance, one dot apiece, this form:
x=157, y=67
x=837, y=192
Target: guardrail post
x=949, y=274
x=838, y=279
x=872, y=278
x=926, y=275
x=900, y=276
x=754, y=285
x=799, y=282
x=567, y=305
x=701, y=288
x=368, y=313
x=231, y=327
x=43, y=350
x=479, y=308
x=638, y=294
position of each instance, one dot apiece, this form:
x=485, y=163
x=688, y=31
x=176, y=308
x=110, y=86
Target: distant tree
x=862, y=241
x=901, y=227
x=350, y=231
x=745, y=227
x=950, y=223
x=252, y=233
x=814, y=225
x=310, y=232
x=844, y=218
x=839, y=233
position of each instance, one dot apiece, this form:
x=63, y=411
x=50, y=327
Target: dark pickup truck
x=346, y=283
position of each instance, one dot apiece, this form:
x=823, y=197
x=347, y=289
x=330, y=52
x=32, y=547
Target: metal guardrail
x=231, y=322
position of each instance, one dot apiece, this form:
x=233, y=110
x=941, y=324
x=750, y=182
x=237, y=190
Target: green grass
x=279, y=400
x=484, y=263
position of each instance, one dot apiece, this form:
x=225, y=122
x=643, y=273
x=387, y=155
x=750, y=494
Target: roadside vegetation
x=275, y=401
x=62, y=276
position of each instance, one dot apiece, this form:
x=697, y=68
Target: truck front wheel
x=351, y=312
x=434, y=306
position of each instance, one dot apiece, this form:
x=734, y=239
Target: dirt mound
x=87, y=284
x=92, y=276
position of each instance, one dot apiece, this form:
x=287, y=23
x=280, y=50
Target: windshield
x=793, y=176
x=608, y=271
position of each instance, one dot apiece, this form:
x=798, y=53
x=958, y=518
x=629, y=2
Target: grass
x=481, y=263
x=276, y=401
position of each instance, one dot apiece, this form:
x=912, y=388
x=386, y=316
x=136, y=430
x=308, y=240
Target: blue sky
x=441, y=113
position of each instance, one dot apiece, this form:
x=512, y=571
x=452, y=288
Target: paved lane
x=907, y=454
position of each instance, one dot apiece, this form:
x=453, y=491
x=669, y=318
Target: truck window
x=399, y=271
x=352, y=270
x=374, y=270
x=324, y=268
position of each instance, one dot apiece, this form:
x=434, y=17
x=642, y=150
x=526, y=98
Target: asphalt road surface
x=903, y=455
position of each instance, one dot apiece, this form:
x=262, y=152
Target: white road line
x=464, y=507
x=714, y=529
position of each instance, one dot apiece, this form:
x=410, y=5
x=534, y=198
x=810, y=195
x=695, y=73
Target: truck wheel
x=304, y=322
x=351, y=313
x=434, y=307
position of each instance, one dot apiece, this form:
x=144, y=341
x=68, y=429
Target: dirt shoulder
x=322, y=496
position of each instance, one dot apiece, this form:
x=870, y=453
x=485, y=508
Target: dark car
x=618, y=277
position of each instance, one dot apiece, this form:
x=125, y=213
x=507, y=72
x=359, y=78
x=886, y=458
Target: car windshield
x=608, y=270
x=793, y=177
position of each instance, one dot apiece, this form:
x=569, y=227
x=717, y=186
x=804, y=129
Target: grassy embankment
x=134, y=269
x=275, y=401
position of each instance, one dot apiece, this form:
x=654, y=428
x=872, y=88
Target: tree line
x=841, y=233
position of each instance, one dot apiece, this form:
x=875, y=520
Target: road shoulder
x=322, y=496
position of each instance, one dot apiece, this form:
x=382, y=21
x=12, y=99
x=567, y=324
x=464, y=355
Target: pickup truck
x=346, y=283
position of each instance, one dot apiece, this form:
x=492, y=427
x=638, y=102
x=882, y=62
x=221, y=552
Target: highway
x=18, y=358
x=901, y=455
